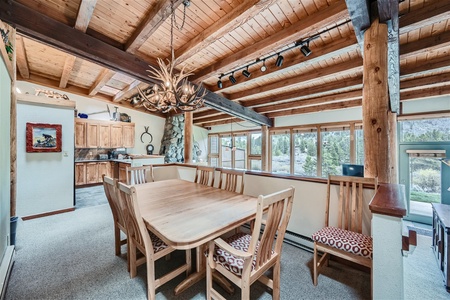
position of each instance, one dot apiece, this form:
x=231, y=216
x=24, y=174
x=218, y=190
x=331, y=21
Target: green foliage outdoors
x=425, y=197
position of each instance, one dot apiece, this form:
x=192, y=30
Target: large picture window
x=305, y=152
x=335, y=150
x=281, y=152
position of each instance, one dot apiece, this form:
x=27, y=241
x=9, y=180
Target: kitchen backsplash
x=88, y=154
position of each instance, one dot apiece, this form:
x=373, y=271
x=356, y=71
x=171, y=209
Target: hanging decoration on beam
x=174, y=92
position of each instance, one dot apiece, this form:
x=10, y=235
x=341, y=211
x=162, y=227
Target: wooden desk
x=441, y=239
x=187, y=215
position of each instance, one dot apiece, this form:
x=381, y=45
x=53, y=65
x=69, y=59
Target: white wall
x=45, y=181
x=426, y=105
x=201, y=137
x=90, y=105
x=5, y=109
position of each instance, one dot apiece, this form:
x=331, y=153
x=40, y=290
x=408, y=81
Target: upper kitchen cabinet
x=103, y=134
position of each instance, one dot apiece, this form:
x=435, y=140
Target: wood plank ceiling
x=220, y=36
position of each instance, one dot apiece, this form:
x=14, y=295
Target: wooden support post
x=264, y=148
x=188, y=137
x=379, y=137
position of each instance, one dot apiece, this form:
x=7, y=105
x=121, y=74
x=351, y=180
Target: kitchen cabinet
x=92, y=135
x=104, y=168
x=80, y=135
x=91, y=173
x=103, y=134
x=116, y=136
x=441, y=240
x=123, y=172
x=80, y=173
x=128, y=135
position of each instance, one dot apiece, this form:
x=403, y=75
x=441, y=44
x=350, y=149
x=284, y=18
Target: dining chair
x=152, y=247
x=205, y=175
x=344, y=240
x=139, y=175
x=110, y=186
x=232, y=180
x=244, y=258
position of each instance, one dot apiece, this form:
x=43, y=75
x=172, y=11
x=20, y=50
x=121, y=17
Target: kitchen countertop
x=128, y=161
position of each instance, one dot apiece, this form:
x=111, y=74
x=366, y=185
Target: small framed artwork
x=43, y=137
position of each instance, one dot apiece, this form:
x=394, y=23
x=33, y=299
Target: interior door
x=426, y=178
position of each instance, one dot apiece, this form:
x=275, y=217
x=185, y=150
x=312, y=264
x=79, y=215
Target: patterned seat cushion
x=346, y=240
x=240, y=241
x=158, y=244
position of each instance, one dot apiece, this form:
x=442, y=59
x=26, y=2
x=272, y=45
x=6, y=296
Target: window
x=255, y=164
x=256, y=143
x=429, y=130
x=225, y=162
x=240, y=151
x=281, y=152
x=305, y=153
x=359, y=142
x=335, y=150
x=213, y=150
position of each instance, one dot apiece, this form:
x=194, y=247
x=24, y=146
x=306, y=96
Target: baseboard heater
x=5, y=269
x=292, y=238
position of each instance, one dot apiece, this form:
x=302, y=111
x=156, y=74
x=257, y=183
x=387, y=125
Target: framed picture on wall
x=43, y=137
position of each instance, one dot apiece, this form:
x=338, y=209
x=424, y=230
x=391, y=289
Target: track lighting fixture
x=279, y=61
x=304, y=49
x=302, y=44
x=219, y=83
x=263, y=67
x=232, y=78
x=246, y=73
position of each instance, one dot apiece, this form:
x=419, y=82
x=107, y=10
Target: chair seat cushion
x=240, y=241
x=158, y=244
x=346, y=240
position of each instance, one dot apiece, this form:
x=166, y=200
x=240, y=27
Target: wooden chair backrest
x=139, y=175
x=205, y=175
x=230, y=179
x=110, y=186
x=275, y=209
x=135, y=224
x=350, y=201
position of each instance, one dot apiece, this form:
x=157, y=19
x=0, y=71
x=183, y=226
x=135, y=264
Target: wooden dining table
x=187, y=215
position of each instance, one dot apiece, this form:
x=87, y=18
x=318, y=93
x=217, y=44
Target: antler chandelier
x=174, y=92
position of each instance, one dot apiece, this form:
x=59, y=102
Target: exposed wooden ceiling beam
x=153, y=20
x=433, y=12
x=215, y=123
x=426, y=66
x=67, y=69
x=360, y=15
x=85, y=11
x=306, y=26
x=329, y=88
x=21, y=58
x=428, y=44
x=424, y=81
x=219, y=117
x=206, y=113
x=131, y=86
x=316, y=108
x=75, y=42
x=348, y=67
x=101, y=81
x=311, y=101
x=294, y=62
x=425, y=93
x=235, y=18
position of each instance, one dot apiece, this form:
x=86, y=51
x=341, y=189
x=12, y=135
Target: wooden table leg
x=201, y=273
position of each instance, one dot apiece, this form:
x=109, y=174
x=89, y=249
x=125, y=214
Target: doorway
x=426, y=178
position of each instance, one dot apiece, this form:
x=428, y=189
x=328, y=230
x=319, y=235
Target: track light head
x=246, y=73
x=304, y=49
x=279, y=61
x=232, y=78
x=219, y=84
x=263, y=67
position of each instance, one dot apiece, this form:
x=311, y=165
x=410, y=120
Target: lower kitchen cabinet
x=91, y=172
x=123, y=172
